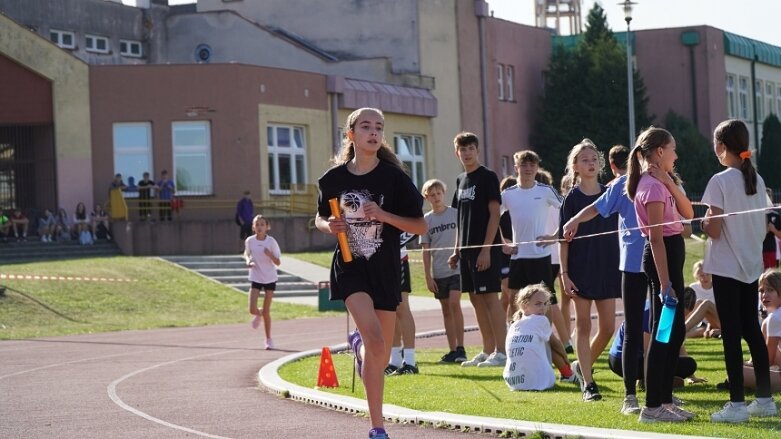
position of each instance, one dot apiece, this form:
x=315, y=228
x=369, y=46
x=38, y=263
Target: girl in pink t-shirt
x=660, y=204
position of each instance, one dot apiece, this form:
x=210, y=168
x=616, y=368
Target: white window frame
x=509, y=79
x=204, y=151
x=293, y=151
x=732, y=102
x=743, y=108
x=759, y=93
x=141, y=153
x=58, y=36
x=91, y=44
x=413, y=155
x=500, y=80
x=128, y=51
x=770, y=101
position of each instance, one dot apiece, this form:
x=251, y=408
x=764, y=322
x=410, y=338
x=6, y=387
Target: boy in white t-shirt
x=528, y=346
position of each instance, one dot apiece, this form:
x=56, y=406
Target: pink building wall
x=665, y=65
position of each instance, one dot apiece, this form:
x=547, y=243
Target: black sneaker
x=461, y=354
x=391, y=369
x=407, y=369
x=724, y=385
x=450, y=357
x=591, y=393
x=569, y=349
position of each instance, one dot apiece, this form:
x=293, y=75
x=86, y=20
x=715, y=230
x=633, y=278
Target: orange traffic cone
x=326, y=377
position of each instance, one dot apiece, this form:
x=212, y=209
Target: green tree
x=696, y=161
x=585, y=95
x=769, y=160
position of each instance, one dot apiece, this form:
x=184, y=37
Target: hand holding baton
x=341, y=236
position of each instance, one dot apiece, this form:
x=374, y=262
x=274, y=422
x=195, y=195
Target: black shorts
x=505, y=271
x=447, y=284
x=264, y=287
x=406, y=279
x=480, y=282
x=525, y=271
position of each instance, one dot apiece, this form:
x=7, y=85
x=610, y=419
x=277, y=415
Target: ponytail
x=633, y=174
x=733, y=134
x=647, y=142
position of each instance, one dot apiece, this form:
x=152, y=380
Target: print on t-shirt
x=364, y=234
x=467, y=193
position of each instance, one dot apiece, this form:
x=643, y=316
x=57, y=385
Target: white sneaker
x=762, y=409
x=43, y=238
x=733, y=412
x=630, y=406
x=496, y=359
x=479, y=358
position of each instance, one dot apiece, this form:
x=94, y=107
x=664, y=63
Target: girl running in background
x=378, y=201
x=262, y=254
x=658, y=200
x=734, y=259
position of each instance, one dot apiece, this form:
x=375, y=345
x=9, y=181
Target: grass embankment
x=158, y=295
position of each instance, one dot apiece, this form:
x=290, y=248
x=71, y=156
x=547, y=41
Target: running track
x=176, y=383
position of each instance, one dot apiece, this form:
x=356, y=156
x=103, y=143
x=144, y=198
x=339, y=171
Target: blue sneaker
x=355, y=342
x=378, y=433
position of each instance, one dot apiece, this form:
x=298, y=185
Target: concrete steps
x=33, y=250
x=232, y=271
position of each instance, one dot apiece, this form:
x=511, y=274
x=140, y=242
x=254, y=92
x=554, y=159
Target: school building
x=230, y=96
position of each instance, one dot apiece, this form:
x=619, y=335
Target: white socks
x=395, y=356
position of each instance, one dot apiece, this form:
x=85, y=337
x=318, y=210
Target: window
x=759, y=91
x=500, y=80
x=731, y=102
x=286, y=158
x=66, y=40
x=769, y=101
x=192, y=148
x=133, y=150
x=509, y=82
x=410, y=150
x=743, y=98
x=130, y=48
x=97, y=44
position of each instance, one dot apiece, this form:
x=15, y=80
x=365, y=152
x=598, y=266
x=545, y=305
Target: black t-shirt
x=473, y=193
x=145, y=189
x=375, y=246
x=769, y=244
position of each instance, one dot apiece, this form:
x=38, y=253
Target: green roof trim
x=748, y=48
x=571, y=41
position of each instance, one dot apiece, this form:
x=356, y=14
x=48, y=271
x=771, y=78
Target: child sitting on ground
x=528, y=343
x=710, y=326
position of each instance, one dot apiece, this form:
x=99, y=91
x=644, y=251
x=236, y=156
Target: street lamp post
x=627, y=4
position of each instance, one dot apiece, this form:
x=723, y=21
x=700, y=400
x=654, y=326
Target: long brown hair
x=571, y=177
x=647, y=142
x=734, y=135
x=347, y=151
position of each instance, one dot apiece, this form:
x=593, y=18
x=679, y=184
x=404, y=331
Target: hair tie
x=745, y=155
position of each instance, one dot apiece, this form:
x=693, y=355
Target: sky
x=758, y=19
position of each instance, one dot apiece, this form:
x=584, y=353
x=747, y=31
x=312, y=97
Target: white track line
x=112, y=393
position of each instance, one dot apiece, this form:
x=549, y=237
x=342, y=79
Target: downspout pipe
x=754, y=99
x=481, y=11
x=691, y=39
x=334, y=85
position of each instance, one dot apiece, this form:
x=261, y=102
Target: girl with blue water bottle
x=659, y=204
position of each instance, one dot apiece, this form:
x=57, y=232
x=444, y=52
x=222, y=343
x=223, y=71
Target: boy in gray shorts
x=443, y=281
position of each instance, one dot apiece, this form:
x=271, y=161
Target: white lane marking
x=112, y=393
x=49, y=366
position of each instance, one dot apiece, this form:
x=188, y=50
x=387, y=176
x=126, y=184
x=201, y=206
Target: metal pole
x=630, y=85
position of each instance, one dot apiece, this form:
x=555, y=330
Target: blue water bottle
x=666, y=319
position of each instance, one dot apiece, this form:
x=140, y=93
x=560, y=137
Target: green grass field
x=159, y=295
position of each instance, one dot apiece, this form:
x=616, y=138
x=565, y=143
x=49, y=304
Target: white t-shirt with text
x=528, y=365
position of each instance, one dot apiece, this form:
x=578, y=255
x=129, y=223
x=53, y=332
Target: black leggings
x=687, y=366
x=634, y=291
x=662, y=358
x=736, y=304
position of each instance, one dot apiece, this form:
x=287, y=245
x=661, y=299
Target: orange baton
x=341, y=236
